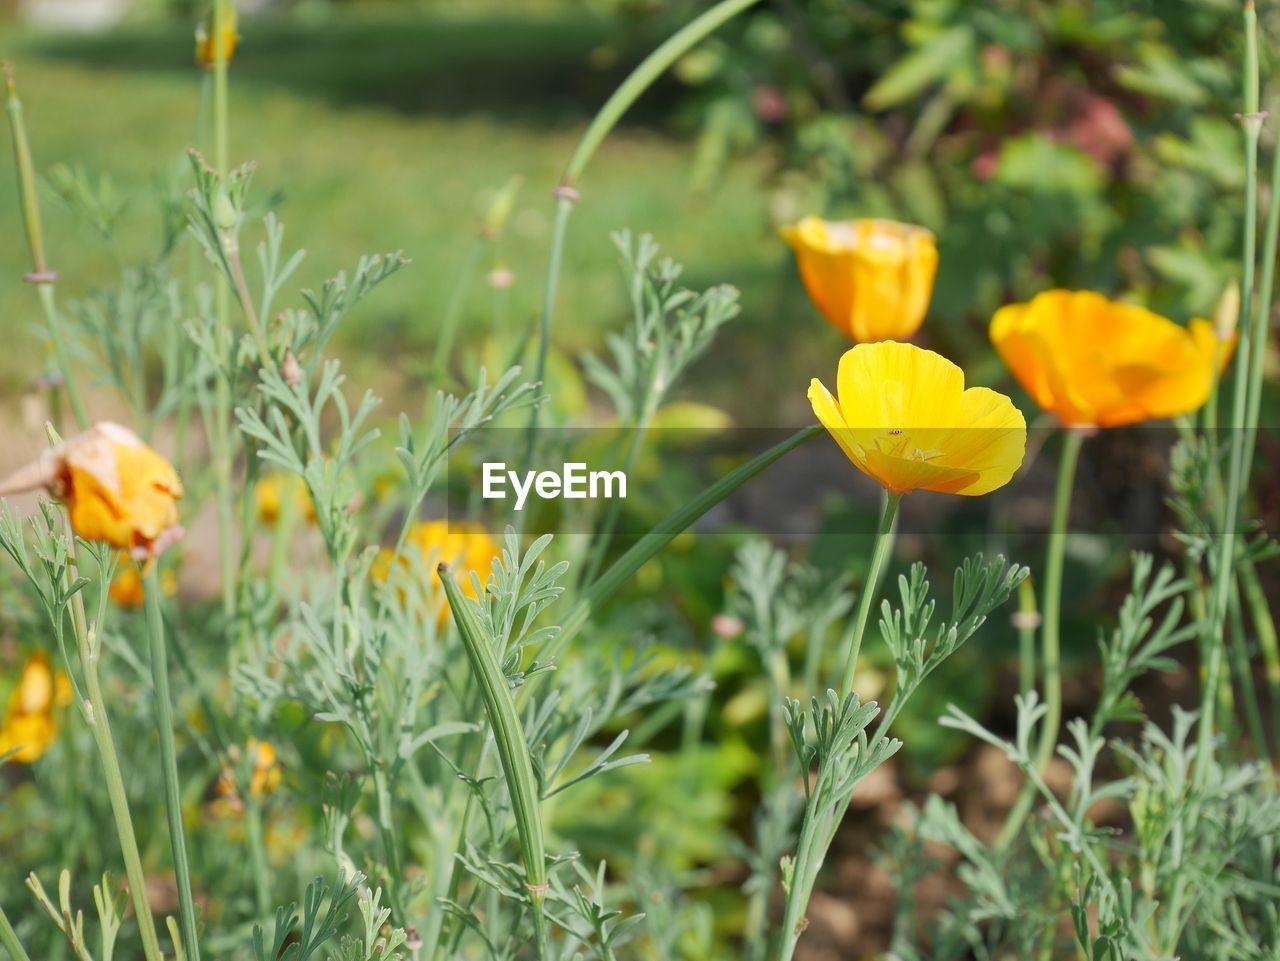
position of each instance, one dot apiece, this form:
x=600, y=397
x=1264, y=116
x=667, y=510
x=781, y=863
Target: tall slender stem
x=621, y=100
x=40, y=274
x=453, y=310
x=879, y=555
x=1050, y=631
x=169, y=759
x=1213, y=639
x=95, y=714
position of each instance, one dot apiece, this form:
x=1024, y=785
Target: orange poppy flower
x=1095, y=362
x=872, y=279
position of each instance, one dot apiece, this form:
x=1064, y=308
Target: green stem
x=1262, y=323
x=9, y=939
x=513, y=751
x=221, y=434
x=258, y=854
x=662, y=534
x=95, y=713
x=1050, y=632
x=619, y=102
x=453, y=311
x=640, y=79
x=41, y=275
x=169, y=759
x=1213, y=639
x=1244, y=675
x=1260, y=613
x=879, y=555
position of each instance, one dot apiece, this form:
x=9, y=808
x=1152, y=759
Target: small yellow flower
x=206, y=52
x=871, y=278
x=905, y=418
x=465, y=547
x=1094, y=362
x=269, y=496
x=126, y=587
x=30, y=727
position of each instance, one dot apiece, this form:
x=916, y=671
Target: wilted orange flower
x=466, y=547
x=206, y=52
x=116, y=488
x=126, y=587
x=871, y=278
x=1094, y=362
x=30, y=727
x=905, y=418
x=269, y=496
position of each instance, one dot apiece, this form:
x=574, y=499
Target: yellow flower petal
x=872, y=279
x=904, y=417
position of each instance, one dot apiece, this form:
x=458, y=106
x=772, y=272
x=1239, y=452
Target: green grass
x=385, y=132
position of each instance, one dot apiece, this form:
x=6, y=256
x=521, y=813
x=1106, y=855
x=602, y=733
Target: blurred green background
x=1078, y=143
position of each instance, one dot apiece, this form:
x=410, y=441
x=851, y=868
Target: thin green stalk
x=220, y=435
x=1213, y=641
x=619, y=102
x=453, y=310
x=1260, y=613
x=1262, y=323
x=513, y=752
x=169, y=759
x=95, y=714
x=390, y=846
x=852, y=643
x=40, y=274
x=256, y=833
x=1050, y=632
x=662, y=534
x=1244, y=675
x=9, y=939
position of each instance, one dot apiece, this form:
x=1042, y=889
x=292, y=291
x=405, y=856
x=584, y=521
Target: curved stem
x=619, y=102
x=879, y=554
x=513, y=752
x=1049, y=632
x=169, y=760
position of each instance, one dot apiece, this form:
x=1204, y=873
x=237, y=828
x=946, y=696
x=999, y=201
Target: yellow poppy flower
x=269, y=493
x=1094, y=362
x=126, y=587
x=30, y=727
x=905, y=418
x=465, y=547
x=871, y=278
x=206, y=52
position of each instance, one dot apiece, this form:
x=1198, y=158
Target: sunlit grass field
x=387, y=131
